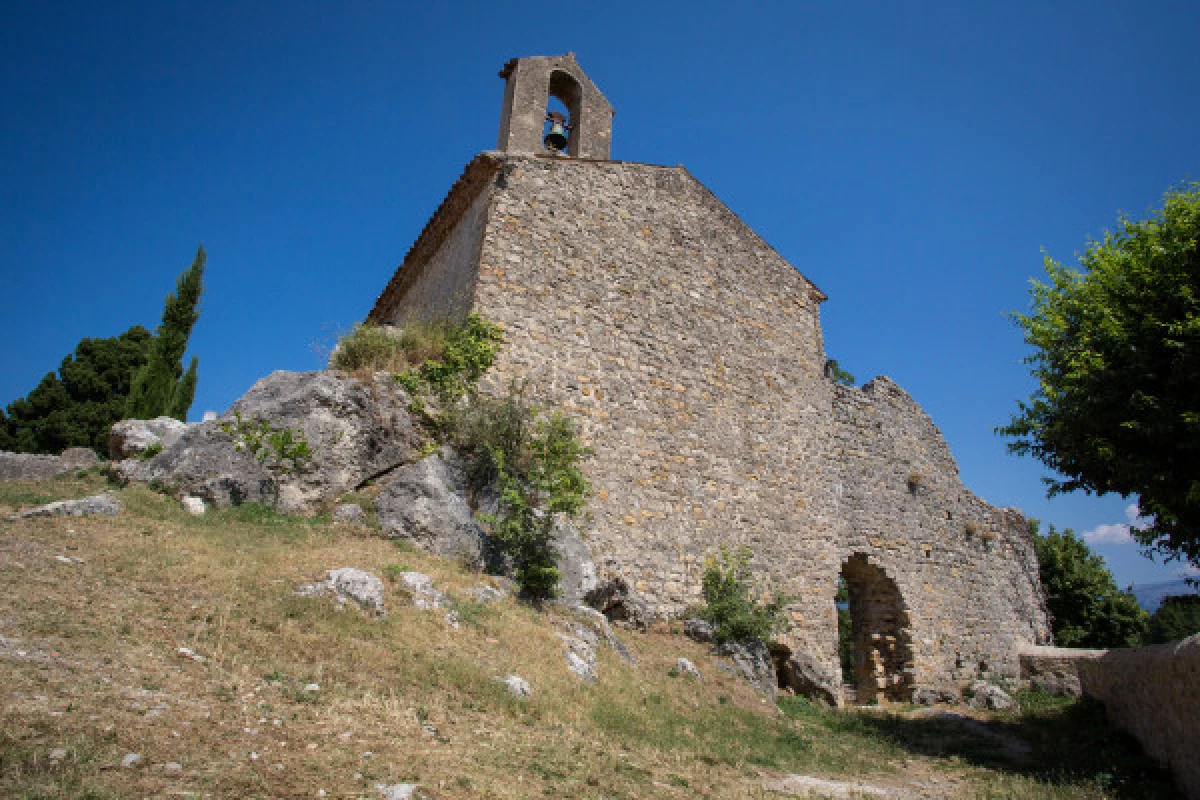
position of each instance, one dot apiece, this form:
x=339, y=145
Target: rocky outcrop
x=349, y=585
x=807, y=677
x=752, y=661
x=349, y=514
x=28, y=466
x=577, y=572
x=205, y=463
x=614, y=599
x=698, y=630
x=984, y=695
x=425, y=504
x=102, y=504
x=130, y=438
x=354, y=430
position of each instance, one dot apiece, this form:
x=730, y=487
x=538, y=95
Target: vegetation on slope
x=93, y=612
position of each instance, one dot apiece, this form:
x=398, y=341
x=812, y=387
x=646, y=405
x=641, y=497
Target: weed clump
x=379, y=348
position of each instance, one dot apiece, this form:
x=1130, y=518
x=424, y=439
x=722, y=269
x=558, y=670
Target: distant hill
x=1150, y=595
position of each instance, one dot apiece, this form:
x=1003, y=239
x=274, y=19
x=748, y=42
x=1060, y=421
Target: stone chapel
x=690, y=354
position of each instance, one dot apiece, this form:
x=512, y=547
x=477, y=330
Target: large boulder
x=354, y=429
x=577, y=571
x=103, y=504
x=752, y=661
x=205, y=463
x=425, y=504
x=130, y=438
x=807, y=677
x=28, y=466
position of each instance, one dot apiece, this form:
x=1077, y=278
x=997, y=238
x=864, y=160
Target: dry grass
x=90, y=664
x=369, y=348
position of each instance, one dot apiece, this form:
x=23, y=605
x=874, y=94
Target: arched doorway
x=882, y=656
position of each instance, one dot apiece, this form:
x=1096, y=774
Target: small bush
x=533, y=461
x=729, y=603
x=393, y=571
x=280, y=449
x=151, y=451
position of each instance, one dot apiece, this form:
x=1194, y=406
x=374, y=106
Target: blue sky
x=912, y=159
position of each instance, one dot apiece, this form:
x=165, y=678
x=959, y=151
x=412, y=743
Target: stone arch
x=881, y=621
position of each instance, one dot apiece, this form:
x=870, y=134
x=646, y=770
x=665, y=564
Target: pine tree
x=161, y=387
x=76, y=406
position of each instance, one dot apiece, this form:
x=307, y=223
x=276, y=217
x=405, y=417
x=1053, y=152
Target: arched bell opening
x=564, y=100
x=874, y=634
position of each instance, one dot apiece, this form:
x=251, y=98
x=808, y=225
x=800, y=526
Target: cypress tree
x=161, y=388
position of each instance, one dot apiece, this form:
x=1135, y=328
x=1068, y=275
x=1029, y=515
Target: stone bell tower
x=530, y=83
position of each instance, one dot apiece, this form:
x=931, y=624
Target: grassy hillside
x=93, y=612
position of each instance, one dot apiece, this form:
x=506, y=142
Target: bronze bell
x=556, y=138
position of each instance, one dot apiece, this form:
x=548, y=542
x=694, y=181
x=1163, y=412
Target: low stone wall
x=28, y=467
x=1151, y=692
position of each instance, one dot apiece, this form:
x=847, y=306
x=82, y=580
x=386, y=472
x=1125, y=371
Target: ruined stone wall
x=691, y=354
x=1151, y=692
x=967, y=571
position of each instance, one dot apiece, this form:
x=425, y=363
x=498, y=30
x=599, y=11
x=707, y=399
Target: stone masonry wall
x=1151, y=692
x=691, y=354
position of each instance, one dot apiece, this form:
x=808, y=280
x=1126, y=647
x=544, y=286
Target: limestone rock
x=988, y=696
x=204, y=463
x=928, y=696
x=396, y=791
x=516, y=685
x=686, y=668
x=486, y=594
x=28, y=466
x=592, y=626
x=806, y=676
x=581, y=657
x=132, y=760
x=78, y=458
x=129, y=438
x=615, y=600
x=355, y=429
x=349, y=514
x=193, y=505
x=349, y=584
x=577, y=572
x=421, y=591
x=103, y=504
x=751, y=660
x=425, y=503
x=700, y=630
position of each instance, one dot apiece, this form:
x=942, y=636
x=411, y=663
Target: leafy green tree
x=77, y=406
x=1178, y=617
x=1117, y=361
x=1086, y=607
x=845, y=629
x=729, y=602
x=162, y=387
